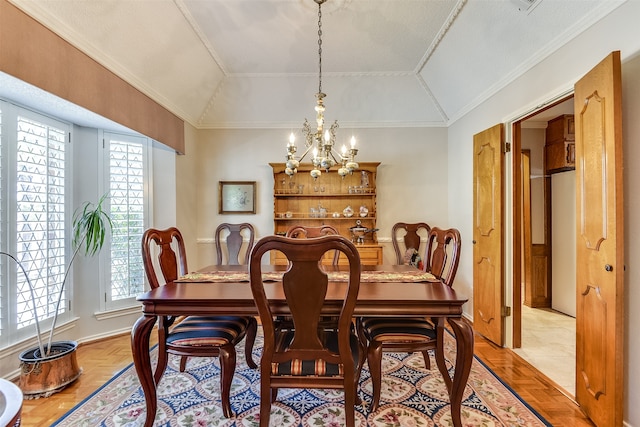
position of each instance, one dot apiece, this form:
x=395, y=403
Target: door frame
x=513, y=293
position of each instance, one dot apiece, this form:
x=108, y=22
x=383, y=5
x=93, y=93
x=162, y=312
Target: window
x=126, y=171
x=34, y=192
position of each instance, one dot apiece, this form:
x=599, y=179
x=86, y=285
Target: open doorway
x=547, y=243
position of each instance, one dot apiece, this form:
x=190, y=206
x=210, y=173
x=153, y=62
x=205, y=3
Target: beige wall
x=412, y=178
x=187, y=187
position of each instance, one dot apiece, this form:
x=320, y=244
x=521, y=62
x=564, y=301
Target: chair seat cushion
x=208, y=331
x=398, y=329
x=314, y=367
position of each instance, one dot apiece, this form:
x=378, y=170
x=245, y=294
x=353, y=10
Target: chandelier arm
x=305, y=152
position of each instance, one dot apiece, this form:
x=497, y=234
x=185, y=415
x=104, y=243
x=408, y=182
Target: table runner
x=334, y=276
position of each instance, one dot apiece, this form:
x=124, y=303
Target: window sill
x=118, y=312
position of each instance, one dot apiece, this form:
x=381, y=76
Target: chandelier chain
x=319, y=47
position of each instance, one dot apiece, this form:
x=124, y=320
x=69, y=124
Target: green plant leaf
x=90, y=223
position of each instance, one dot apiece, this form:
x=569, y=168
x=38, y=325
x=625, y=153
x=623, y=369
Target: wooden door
x=600, y=243
x=488, y=283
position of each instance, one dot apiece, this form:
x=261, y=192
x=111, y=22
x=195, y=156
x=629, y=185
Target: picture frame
x=236, y=197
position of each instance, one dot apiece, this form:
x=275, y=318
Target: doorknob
x=473, y=241
x=608, y=267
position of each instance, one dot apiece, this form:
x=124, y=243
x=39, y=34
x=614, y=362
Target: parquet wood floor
x=103, y=359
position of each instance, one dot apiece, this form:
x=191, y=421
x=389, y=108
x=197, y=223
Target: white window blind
x=34, y=202
x=127, y=173
x=40, y=216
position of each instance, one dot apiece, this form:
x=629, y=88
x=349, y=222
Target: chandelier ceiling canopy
x=320, y=142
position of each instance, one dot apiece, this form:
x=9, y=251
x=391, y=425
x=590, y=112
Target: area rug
x=411, y=396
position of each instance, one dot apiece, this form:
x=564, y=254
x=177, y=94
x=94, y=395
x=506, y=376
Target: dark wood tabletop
x=374, y=299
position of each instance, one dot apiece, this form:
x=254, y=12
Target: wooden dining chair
x=201, y=336
x=309, y=232
x=307, y=356
x=397, y=334
x=410, y=235
x=234, y=242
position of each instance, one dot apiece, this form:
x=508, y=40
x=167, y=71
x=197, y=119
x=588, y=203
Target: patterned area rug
x=411, y=396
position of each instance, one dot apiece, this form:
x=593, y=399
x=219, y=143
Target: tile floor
x=549, y=344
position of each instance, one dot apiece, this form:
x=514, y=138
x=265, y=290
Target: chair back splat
x=307, y=355
x=308, y=232
x=234, y=242
x=443, y=253
x=411, y=238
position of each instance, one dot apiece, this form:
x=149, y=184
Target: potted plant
x=50, y=367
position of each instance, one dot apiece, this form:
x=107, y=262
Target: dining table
x=385, y=290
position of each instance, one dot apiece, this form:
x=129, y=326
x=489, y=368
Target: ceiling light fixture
x=321, y=142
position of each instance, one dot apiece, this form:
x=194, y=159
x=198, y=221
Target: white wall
x=563, y=242
x=549, y=78
x=411, y=182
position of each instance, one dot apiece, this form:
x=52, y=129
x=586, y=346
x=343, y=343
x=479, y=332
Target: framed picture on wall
x=237, y=197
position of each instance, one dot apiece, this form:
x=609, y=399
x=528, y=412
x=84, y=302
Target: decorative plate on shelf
x=348, y=212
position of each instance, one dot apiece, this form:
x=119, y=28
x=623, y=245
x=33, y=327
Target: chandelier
x=320, y=142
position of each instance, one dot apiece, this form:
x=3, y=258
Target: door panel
x=488, y=283
x=600, y=243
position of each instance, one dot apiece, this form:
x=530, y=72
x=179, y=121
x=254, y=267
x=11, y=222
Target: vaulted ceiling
x=254, y=63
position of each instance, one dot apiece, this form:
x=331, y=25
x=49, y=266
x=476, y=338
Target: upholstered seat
x=214, y=336
x=307, y=356
x=397, y=334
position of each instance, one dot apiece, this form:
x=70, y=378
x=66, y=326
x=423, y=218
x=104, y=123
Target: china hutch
x=348, y=204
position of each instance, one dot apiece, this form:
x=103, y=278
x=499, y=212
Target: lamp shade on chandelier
x=320, y=142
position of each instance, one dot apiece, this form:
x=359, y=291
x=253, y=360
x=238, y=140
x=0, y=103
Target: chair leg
x=349, y=404
x=227, y=367
x=250, y=339
x=374, y=358
x=161, y=366
x=183, y=363
x=265, y=400
x=427, y=360
x=442, y=366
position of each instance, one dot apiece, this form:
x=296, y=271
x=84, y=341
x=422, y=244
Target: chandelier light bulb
x=292, y=139
x=353, y=141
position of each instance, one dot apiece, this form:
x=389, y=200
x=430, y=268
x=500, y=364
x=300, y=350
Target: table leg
x=464, y=358
x=142, y=362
